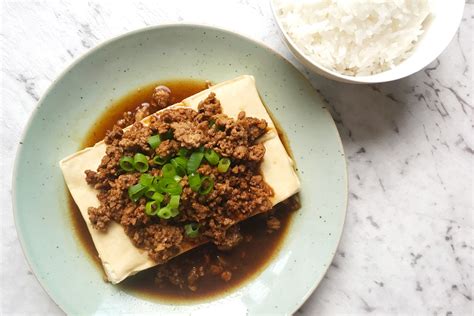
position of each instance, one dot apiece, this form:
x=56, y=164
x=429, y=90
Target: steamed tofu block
x=119, y=256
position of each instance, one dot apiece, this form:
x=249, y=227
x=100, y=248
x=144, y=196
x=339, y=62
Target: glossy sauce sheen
x=244, y=261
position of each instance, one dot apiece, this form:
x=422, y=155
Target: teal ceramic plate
x=78, y=97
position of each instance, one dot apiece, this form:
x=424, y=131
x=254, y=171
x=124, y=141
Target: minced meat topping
x=228, y=193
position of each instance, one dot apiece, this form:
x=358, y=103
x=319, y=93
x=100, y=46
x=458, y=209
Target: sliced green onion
x=194, y=181
x=174, y=201
x=169, y=185
x=207, y=185
x=194, y=161
x=168, y=134
x=183, y=152
x=126, y=163
x=157, y=160
x=151, y=208
x=150, y=192
x=192, y=230
x=212, y=157
x=223, y=165
x=168, y=171
x=211, y=123
x=140, y=162
x=146, y=179
x=174, y=212
x=158, y=197
x=154, y=141
x=180, y=164
x=135, y=192
x=164, y=212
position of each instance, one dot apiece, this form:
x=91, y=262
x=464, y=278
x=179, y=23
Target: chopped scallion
x=183, y=152
x=212, y=157
x=157, y=160
x=154, y=141
x=164, y=212
x=194, y=162
x=126, y=163
x=207, y=185
x=151, y=208
x=192, y=230
x=168, y=171
x=223, y=165
x=135, y=192
x=180, y=164
x=169, y=185
x=194, y=181
x=146, y=179
x=140, y=162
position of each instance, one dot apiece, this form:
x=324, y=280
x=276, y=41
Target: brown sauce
x=245, y=261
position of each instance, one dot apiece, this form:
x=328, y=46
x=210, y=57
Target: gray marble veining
x=407, y=247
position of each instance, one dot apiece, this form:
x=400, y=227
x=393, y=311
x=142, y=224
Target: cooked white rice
x=354, y=37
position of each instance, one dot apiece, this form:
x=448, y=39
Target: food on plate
x=181, y=177
x=355, y=37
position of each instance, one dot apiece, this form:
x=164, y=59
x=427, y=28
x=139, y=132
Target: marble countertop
x=407, y=246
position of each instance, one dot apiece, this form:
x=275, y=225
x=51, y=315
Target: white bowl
x=439, y=30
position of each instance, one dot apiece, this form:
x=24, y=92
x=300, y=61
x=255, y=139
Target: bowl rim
x=33, y=114
x=334, y=75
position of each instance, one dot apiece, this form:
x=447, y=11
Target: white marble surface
x=407, y=247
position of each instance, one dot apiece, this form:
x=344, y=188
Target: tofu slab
x=120, y=258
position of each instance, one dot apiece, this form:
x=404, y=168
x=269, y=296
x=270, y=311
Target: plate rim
x=106, y=42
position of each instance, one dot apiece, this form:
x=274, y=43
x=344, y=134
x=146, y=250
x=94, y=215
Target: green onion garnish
x=146, y=179
x=180, y=164
x=157, y=160
x=164, y=212
x=168, y=134
x=135, y=192
x=154, y=141
x=140, y=162
x=174, y=202
x=126, y=163
x=151, y=208
x=150, y=192
x=207, y=185
x=194, y=161
x=158, y=197
x=192, y=230
x=183, y=152
x=223, y=165
x=174, y=212
x=168, y=171
x=169, y=185
x=194, y=181
x=212, y=157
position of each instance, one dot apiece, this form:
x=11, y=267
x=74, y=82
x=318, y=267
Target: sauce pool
x=245, y=261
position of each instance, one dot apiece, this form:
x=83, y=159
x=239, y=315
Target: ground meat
x=237, y=194
x=161, y=96
x=142, y=111
x=273, y=224
x=193, y=276
x=99, y=217
x=226, y=276
x=136, y=138
x=160, y=100
x=188, y=135
x=210, y=106
x=167, y=148
x=229, y=239
x=256, y=152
